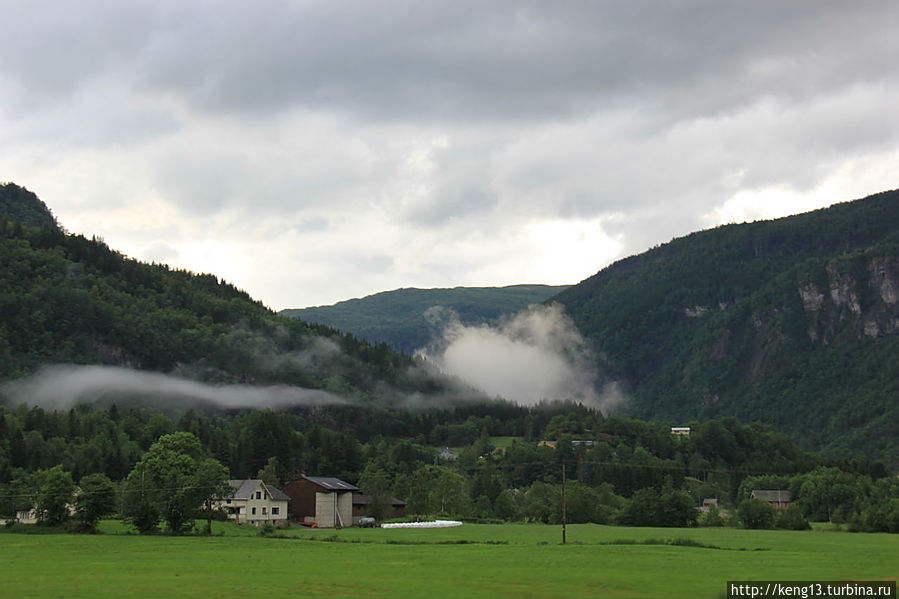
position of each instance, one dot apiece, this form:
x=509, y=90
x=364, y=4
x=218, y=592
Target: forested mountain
x=793, y=322
x=398, y=318
x=68, y=299
x=22, y=206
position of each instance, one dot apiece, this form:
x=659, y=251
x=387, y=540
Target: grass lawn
x=472, y=561
x=503, y=442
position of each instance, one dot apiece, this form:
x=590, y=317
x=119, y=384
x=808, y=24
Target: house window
x=264, y=511
x=276, y=511
x=254, y=511
x=228, y=501
x=258, y=494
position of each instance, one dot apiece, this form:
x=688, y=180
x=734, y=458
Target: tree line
x=164, y=467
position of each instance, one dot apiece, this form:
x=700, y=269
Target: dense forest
x=617, y=470
x=400, y=318
x=68, y=299
x=794, y=322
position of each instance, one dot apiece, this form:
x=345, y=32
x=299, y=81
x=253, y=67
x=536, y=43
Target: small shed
x=324, y=500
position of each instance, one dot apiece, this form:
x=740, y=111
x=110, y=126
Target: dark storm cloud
x=454, y=60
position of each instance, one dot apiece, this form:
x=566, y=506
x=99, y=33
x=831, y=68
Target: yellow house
x=255, y=503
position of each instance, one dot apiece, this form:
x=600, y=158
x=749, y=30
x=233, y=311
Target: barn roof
x=331, y=484
x=773, y=496
x=359, y=499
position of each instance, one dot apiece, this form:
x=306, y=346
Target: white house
x=255, y=503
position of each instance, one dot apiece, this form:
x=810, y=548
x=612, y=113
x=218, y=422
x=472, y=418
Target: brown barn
x=778, y=499
x=326, y=501
x=361, y=505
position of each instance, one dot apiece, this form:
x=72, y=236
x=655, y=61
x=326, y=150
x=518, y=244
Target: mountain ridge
x=398, y=317
x=67, y=299
x=792, y=321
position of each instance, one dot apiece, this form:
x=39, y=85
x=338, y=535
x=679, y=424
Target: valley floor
x=472, y=561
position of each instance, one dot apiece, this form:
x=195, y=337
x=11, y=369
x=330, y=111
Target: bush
x=266, y=530
x=755, y=513
x=792, y=519
x=648, y=508
x=712, y=517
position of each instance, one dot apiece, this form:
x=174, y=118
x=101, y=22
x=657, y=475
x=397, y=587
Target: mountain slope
x=68, y=299
x=19, y=205
x=793, y=321
x=398, y=317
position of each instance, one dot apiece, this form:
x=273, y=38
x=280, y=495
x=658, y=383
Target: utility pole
x=563, y=502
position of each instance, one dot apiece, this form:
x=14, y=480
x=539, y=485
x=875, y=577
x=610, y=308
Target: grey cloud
x=436, y=136
x=459, y=60
x=64, y=386
x=452, y=204
x=160, y=252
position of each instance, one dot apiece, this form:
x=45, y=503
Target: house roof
x=360, y=499
x=243, y=489
x=277, y=493
x=331, y=484
x=778, y=496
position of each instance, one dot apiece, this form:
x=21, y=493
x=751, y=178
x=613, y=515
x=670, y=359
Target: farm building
x=778, y=499
x=326, y=501
x=362, y=505
x=680, y=430
x=255, y=503
x=574, y=443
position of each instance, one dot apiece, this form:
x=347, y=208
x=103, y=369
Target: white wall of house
x=259, y=509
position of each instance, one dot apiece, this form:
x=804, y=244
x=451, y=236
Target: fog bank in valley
x=534, y=355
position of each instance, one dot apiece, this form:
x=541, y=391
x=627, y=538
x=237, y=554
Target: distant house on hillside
x=32, y=516
x=447, y=454
x=680, y=430
x=778, y=499
x=707, y=504
x=26, y=516
x=326, y=501
x=550, y=444
x=255, y=503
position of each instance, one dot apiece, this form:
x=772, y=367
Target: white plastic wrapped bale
x=434, y=524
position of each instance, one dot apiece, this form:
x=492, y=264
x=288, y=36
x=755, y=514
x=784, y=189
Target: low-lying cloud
x=64, y=386
x=533, y=356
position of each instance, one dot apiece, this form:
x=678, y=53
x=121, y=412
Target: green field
x=471, y=561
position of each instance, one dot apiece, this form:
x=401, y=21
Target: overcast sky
x=310, y=152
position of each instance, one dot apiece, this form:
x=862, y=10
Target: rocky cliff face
x=866, y=303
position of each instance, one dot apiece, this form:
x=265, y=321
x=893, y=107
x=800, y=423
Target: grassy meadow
x=472, y=561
